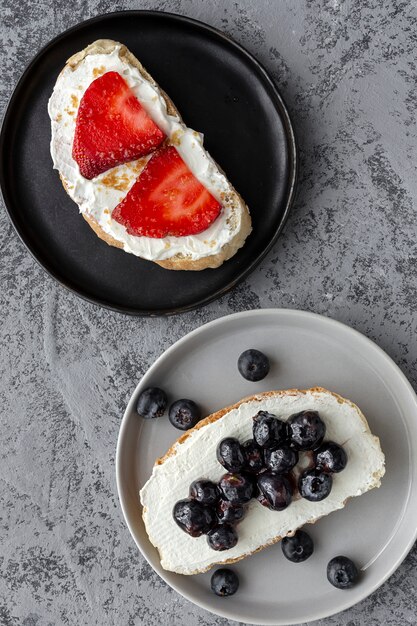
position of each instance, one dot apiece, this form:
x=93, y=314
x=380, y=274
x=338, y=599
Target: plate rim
x=165, y=355
x=292, y=152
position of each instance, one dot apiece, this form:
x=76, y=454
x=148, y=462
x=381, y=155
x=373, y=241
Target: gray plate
x=377, y=529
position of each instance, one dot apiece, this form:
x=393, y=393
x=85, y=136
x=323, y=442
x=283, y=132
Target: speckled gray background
x=348, y=73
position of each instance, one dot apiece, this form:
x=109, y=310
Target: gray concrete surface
x=348, y=73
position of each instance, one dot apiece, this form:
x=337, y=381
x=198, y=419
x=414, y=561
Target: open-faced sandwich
x=141, y=178
x=253, y=473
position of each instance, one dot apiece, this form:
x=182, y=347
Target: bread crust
x=376, y=477
x=178, y=261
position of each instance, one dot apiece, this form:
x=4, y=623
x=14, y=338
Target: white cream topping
x=98, y=197
x=196, y=458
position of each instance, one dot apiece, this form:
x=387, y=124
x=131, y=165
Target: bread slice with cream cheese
x=193, y=456
x=98, y=197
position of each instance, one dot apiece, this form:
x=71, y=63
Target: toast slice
x=193, y=456
x=98, y=197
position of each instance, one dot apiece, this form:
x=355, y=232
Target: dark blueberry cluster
x=261, y=468
x=183, y=414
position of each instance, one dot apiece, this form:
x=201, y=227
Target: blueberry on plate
x=222, y=537
x=281, y=460
x=230, y=513
x=193, y=517
x=236, y=488
x=224, y=582
x=152, y=402
x=254, y=458
x=315, y=485
x=275, y=491
x=342, y=572
x=297, y=548
x=184, y=414
x=230, y=454
x=307, y=430
x=204, y=491
x=253, y=365
x=269, y=431
x=330, y=457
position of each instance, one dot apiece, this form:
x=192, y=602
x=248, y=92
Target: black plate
x=220, y=90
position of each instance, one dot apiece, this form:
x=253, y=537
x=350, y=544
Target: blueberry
x=193, y=517
x=204, y=491
x=222, y=537
x=224, y=582
x=236, y=488
x=342, y=572
x=297, y=548
x=275, y=491
x=281, y=460
x=330, y=457
x=254, y=458
x=184, y=414
x=230, y=454
x=307, y=430
x=269, y=431
x=152, y=402
x=230, y=513
x=253, y=365
x=315, y=485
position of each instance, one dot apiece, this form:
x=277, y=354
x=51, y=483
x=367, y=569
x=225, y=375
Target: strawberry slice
x=112, y=127
x=166, y=199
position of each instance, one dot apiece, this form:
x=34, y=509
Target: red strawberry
x=112, y=127
x=166, y=199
